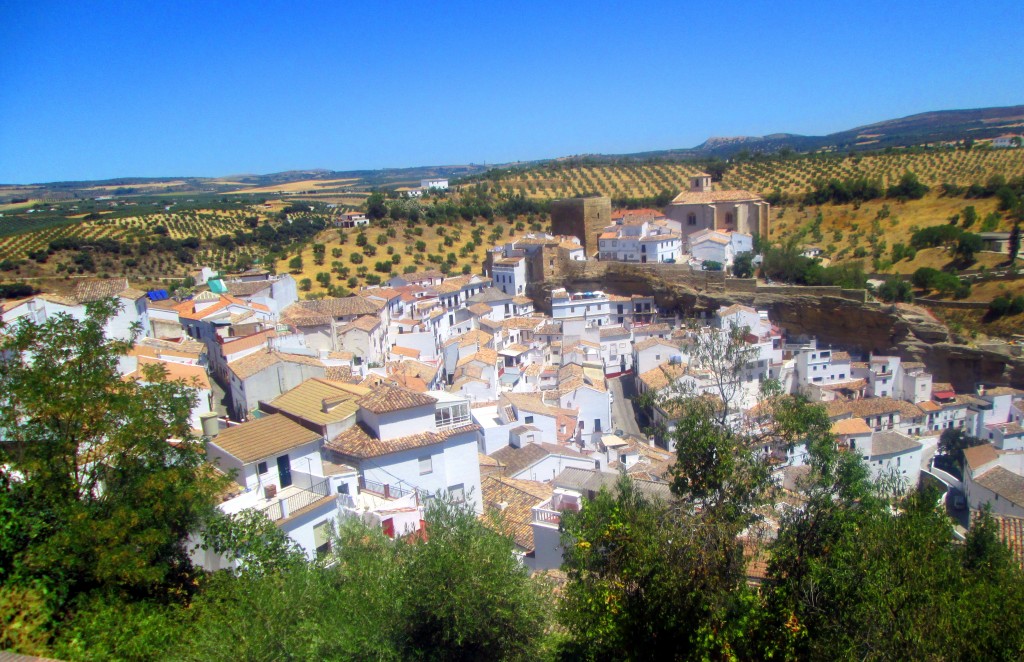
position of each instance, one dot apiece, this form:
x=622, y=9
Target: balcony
x=544, y=515
x=293, y=498
x=389, y=491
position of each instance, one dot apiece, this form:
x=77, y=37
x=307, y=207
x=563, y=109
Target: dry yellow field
x=145, y=186
x=296, y=187
x=897, y=227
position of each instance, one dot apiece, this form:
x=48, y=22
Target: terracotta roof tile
x=891, y=442
x=388, y=398
x=663, y=375
x=320, y=401
x=192, y=375
x=978, y=456
x=263, y=437
x=322, y=311
x=96, y=289
x=1003, y=482
x=359, y=443
x=247, y=366
x=247, y=288
x=514, y=500
x=655, y=342
x=707, y=197
x=850, y=426
x=873, y=407
x=484, y=355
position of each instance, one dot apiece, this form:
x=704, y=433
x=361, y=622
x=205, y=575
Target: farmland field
x=794, y=176
x=932, y=168
x=861, y=231
x=393, y=250
x=309, y=185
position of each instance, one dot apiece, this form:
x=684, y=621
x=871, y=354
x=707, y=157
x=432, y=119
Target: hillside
x=935, y=127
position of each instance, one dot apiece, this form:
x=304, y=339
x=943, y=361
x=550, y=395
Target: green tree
x=966, y=246
x=1014, y=242
x=954, y=441
x=908, y=188
x=102, y=503
x=646, y=580
x=970, y=216
x=376, y=207
x=991, y=222
x=295, y=264
x=742, y=266
x=895, y=290
x=856, y=573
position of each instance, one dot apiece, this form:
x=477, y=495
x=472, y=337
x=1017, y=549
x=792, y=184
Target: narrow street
x=623, y=418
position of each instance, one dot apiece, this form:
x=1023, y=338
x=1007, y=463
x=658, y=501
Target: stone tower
x=582, y=217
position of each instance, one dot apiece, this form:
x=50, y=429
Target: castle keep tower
x=584, y=218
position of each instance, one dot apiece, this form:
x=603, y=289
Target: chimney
x=210, y=423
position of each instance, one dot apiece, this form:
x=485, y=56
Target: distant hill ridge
x=935, y=126
x=930, y=127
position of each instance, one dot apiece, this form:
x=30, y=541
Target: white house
x=192, y=375
x=266, y=375
x=509, y=273
x=639, y=241
x=995, y=478
x=133, y=304
x=438, y=183
x=719, y=246
x=1008, y=140
x=592, y=308
x=891, y=453
x=276, y=464
x=412, y=442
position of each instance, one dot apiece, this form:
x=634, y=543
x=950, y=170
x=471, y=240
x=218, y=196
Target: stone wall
x=953, y=305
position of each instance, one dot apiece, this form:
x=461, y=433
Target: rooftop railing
x=286, y=506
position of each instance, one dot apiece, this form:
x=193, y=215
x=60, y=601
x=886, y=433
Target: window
x=457, y=493
x=426, y=465
x=691, y=219
x=453, y=414
x=528, y=419
x=261, y=468
x=322, y=537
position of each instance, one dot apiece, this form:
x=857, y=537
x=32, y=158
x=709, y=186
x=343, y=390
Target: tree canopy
x=95, y=497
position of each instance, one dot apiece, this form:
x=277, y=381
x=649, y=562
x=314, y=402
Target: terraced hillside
x=795, y=175
x=616, y=181
x=798, y=175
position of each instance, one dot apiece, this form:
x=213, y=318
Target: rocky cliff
x=861, y=327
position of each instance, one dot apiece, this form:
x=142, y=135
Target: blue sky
x=92, y=90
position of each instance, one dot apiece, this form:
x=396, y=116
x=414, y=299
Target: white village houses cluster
x=370, y=405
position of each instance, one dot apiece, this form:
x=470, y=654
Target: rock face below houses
x=910, y=332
